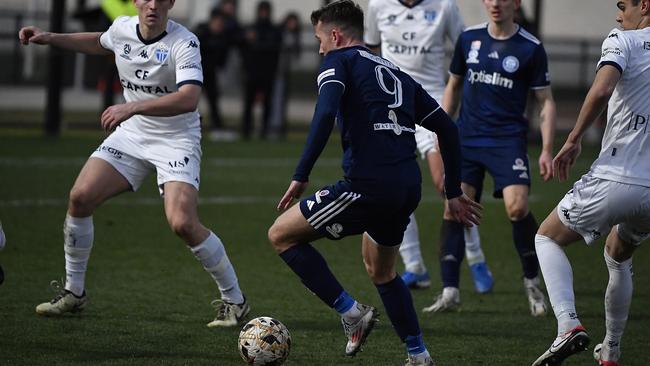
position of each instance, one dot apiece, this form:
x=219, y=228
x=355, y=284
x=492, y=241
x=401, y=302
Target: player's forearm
x=79, y=42
x=166, y=106
x=451, y=98
x=548, y=116
x=593, y=106
x=320, y=129
x=449, y=142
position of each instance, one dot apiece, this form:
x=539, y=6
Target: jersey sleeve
x=458, y=65
x=371, y=34
x=614, y=51
x=455, y=23
x=332, y=70
x=331, y=86
x=106, y=39
x=539, y=75
x=188, y=62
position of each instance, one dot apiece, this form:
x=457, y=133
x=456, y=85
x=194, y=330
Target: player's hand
x=294, y=191
x=464, y=210
x=565, y=159
x=546, y=165
x=33, y=34
x=116, y=114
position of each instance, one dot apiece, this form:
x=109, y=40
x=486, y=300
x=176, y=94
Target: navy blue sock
x=312, y=269
x=399, y=307
x=452, y=251
x=523, y=234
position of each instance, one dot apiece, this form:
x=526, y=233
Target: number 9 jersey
x=153, y=68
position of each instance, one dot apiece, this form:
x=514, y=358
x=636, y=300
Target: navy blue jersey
x=498, y=74
x=376, y=108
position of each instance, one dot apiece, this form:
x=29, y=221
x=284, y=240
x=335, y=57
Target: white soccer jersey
x=413, y=37
x=153, y=68
x=625, y=152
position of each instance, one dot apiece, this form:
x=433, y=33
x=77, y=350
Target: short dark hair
x=343, y=13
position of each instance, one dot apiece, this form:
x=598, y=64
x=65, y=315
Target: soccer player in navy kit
x=376, y=107
x=494, y=65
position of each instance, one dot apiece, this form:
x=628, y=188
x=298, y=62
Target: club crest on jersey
x=161, y=54
x=510, y=64
x=472, y=56
x=430, y=15
x=391, y=19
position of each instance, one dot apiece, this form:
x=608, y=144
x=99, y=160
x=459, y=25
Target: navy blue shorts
x=343, y=209
x=507, y=166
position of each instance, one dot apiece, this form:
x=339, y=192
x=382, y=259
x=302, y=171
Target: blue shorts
x=344, y=209
x=507, y=166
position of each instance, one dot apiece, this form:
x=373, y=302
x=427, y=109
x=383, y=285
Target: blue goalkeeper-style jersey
x=376, y=108
x=498, y=74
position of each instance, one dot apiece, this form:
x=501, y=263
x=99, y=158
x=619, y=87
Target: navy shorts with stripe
x=345, y=209
x=507, y=165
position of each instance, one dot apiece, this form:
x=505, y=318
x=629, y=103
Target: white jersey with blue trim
x=413, y=37
x=150, y=69
x=625, y=152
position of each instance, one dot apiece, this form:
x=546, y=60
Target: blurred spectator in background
x=233, y=28
x=215, y=44
x=290, y=51
x=260, y=52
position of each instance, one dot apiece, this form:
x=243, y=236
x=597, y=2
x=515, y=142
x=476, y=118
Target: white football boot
x=229, y=314
x=598, y=356
x=536, y=299
x=574, y=341
x=64, y=302
x=358, y=330
x=448, y=300
x=422, y=359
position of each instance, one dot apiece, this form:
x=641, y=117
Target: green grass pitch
x=149, y=299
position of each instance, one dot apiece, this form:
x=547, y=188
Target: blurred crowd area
x=259, y=68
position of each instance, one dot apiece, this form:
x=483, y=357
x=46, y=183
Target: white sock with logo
x=78, y=234
x=617, y=305
x=410, y=249
x=558, y=277
x=212, y=255
x=473, y=251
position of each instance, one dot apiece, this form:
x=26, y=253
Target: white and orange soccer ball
x=264, y=341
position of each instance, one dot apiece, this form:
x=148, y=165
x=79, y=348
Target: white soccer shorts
x=426, y=141
x=136, y=156
x=595, y=205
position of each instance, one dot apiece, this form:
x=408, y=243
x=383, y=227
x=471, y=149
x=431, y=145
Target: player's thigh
x=507, y=165
x=97, y=182
x=181, y=201
x=472, y=168
x=291, y=228
x=515, y=199
x=633, y=223
x=589, y=208
x=175, y=160
x=556, y=230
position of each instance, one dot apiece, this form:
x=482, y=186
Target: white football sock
x=617, y=305
x=558, y=277
x=78, y=234
x=214, y=259
x=352, y=314
x=473, y=251
x=410, y=249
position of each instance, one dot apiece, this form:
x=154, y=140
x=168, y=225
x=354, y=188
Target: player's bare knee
x=517, y=212
x=81, y=203
x=278, y=239
x=182, y=225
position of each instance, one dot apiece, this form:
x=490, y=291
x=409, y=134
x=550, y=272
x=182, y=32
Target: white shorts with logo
x=136, y=156
x=595, y=205
x=426, y=141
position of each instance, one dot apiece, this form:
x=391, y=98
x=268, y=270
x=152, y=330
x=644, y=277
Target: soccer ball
x=264, y=341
